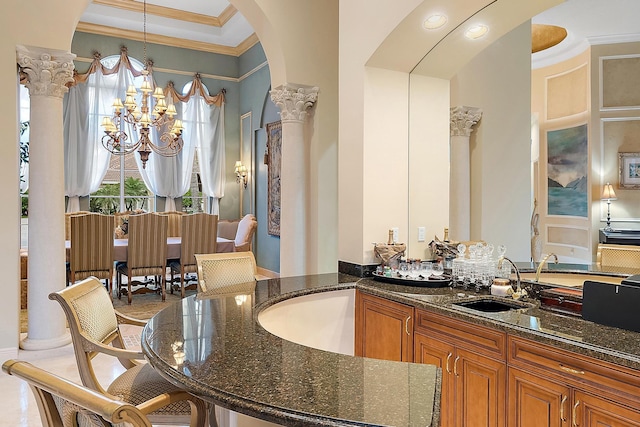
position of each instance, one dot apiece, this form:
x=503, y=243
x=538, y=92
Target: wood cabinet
x=384, y=329
x=473, y=384
x=494, y=379
x=552, y=387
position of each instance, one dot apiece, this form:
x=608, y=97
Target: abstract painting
x=567, y=169
x=274, y=155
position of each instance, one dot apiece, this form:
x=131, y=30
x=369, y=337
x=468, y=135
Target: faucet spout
x=545, y=259
x=504, y=258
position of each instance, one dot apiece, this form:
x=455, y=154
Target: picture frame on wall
x=273, y=155
x=629, y=170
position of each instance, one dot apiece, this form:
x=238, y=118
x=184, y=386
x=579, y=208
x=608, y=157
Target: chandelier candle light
x=149, y=114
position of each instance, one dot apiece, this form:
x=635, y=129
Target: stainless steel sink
x=490, y=305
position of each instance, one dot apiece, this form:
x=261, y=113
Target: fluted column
x=294, y=103
x=462, y=120
x=48, y=72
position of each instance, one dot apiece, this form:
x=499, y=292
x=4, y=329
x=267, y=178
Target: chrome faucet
x=545, y=259
x=504, y=258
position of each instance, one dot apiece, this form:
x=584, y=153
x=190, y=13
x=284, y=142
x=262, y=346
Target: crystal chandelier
x=153, y=112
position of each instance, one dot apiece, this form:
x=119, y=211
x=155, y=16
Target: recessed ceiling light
x=434, y=22
x=476, y=31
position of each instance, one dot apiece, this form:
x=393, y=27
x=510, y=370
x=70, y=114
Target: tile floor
x=18, y=406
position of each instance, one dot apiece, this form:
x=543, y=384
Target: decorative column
x=462, y=119
x=48, y=72
x=294, y=102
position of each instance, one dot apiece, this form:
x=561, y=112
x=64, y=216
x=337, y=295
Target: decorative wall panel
x=614, y=70
x=567, y=93
x=568, y=236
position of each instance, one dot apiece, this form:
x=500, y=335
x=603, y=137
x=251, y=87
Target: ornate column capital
x=294, y=101
x=48, y=71
x=462, y=119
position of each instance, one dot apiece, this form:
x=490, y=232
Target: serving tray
x=430, y=282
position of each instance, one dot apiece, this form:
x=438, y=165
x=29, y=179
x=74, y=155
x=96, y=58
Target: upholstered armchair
x=94, y=326
x=240, y=231
x=65, y=403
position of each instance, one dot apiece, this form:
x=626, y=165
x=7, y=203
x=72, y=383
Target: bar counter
x=214, y=347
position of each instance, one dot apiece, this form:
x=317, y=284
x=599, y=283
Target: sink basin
x=491, y=305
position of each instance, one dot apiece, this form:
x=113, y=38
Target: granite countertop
x=215, y=347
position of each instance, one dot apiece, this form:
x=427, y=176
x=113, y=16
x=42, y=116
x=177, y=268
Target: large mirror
x=509, y=167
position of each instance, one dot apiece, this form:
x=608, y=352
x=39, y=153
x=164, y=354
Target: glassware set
x=478, y=266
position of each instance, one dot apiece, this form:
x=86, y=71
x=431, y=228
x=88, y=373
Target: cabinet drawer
x=479, y=339
x=586, y=372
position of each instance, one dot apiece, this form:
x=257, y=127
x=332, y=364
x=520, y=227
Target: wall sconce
x=241, y=173
x=608, y=194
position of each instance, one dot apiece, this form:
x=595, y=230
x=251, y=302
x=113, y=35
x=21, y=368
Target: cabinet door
x=480, y=390
x=592, y=411
x=384, y=329
x=537, y=402
x=435, y=352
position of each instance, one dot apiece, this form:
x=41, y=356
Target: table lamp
x=608, y=194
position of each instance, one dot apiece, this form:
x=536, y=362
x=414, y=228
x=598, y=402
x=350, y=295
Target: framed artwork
x=274, y=156
x=629, y=168
x=567, y=169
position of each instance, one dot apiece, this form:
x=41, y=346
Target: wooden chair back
x=91, y=252
x=63, y=403
x=226, y=273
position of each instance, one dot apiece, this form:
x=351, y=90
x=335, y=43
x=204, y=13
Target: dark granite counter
x=215, y=347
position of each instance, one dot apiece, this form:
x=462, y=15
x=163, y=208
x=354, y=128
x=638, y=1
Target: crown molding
x=168, y=12
x=104, y=30
x=227, y=14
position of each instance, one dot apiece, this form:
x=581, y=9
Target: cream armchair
x=65, y=403
x=240, y=231
x=94, y=326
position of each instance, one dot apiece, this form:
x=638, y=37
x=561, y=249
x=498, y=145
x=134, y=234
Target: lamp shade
x=608, y=193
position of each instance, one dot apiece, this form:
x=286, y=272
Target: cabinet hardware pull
x=455, y=366
x=573, y=414
x=572, y=370
x=562, y=415
x=448, y=359
x=406, y=325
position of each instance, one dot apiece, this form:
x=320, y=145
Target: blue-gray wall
x=246, y=91
x=254, y=95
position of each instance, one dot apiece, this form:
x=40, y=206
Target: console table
x=620, y=237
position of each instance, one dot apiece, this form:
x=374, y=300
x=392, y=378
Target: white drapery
x=86, y=161
x=203, y=118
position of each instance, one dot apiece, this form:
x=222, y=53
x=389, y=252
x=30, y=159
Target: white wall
x=428, y=162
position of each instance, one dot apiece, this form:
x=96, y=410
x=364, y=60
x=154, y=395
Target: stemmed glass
x=427, y=270
x=438, y=270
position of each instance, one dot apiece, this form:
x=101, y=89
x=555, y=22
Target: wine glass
x=427, y=269
x=438, y=270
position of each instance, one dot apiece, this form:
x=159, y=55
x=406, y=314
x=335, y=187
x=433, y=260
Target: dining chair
x=174, y=229
x=67, y=222
x=199, y=232
x=64, y=403
x=95, y=329
x=146, y=254
x=91, y=252
x=226, y=273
